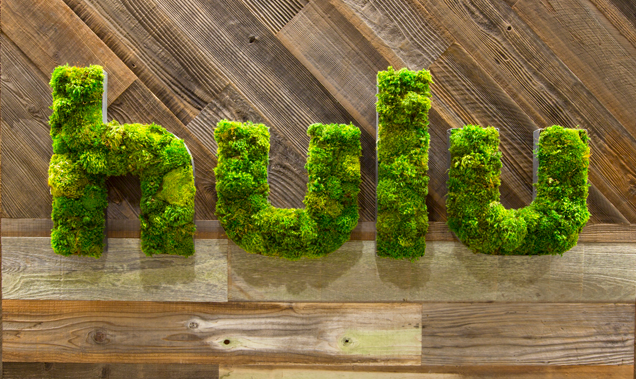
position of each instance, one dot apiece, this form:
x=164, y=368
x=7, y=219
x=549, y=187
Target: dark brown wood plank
x=138, y=104
x=23, y=370
x=50, y=34
x=26, y=143
x=544, y=88
x=428, y=372
x=231, y=333
x=622, y=14
x=268, y=75
x=275, y=14
x=592, y=48
x=528, y=334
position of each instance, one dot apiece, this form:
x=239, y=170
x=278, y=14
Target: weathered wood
x=528, y=334
x=427, y=372
x=275, y=14
x=23, y=370
x=622, y=14
x=338, y=55
x=448, y=272
x=33, y=271
x=137, y=104
x=573, y=29
x=400, y=30
x=516, y=58
x=26, y=143
x=50, y=34
x=231, y=333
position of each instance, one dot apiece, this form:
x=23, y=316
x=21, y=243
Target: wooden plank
x=275, y=14
x=138, y=104
x=268, y=75
x=533, y=76
x=50, y=34
x=26, y=143
x=622, y=14
x=338, y=55
x=592, y=48
x=401, y=30
x=428, y=372
x=23, y=370
x=528, y=334
x=231, y=333
x=33, y=271
x=590, y=272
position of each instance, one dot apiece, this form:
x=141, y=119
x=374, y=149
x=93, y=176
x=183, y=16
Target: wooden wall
x=517, y=65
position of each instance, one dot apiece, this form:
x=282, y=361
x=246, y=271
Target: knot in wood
x=100, y=337
x=193, y=325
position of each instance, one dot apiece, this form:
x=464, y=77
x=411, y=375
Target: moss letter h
x=87, y=150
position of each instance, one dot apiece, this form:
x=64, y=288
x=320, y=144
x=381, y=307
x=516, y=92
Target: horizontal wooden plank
x=428, y=372
x=528, y=334
x=364, y=231
x=591, y=272
x=32, y=271
x=50, y=34
x=231, y=333
x=25, y=370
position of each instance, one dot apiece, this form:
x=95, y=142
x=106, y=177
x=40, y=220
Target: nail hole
x=509, y=28
x=227, y=342
x=252, y=39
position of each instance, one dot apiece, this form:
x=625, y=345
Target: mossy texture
x=549, y=225
x=404, y=99
x=331, y=202
x=87, y=151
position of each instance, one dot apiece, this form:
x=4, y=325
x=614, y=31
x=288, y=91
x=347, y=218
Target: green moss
x=87, y=152
x=549, y=225
x=331, y=209
x=404, y=99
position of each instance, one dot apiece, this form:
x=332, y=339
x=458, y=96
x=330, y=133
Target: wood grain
x=338, y=55
x=32, y=271
x=544, y=88
x=275, y=14
x=573, y=29
x=50, y=34
x=23, y=370
x=591, y=272
x=427, y=372
x=622, y=14
x=528, y=334
x=232, y=333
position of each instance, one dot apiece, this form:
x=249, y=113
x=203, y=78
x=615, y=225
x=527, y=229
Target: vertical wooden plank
x=50, y=34
x=275, y=14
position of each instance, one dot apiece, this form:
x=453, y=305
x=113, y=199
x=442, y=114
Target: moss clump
x=331, y=203
x=87, y=151
x=549, y=225
x=404, y=99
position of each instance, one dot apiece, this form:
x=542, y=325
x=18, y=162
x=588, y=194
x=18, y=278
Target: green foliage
x=87, y=151
x=404, y=99
x=549, y=225
x=331, y=203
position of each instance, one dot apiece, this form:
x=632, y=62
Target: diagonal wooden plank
x=622, y=14
x=26, y=143
x=336, y=53
x=528, y=334
x=533, y=76
x=592, y=48
x=50, y=34
x=232, y=333
x=275, y=14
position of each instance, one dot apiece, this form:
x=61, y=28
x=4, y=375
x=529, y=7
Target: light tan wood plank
x=232, y=333
x=592, y=48
x=22, y=370
x=32, y=271
x=543, y=87
x=338, y=55
x=429, y=372
x=50, y=34
x=590, y=272
x=528, y=334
